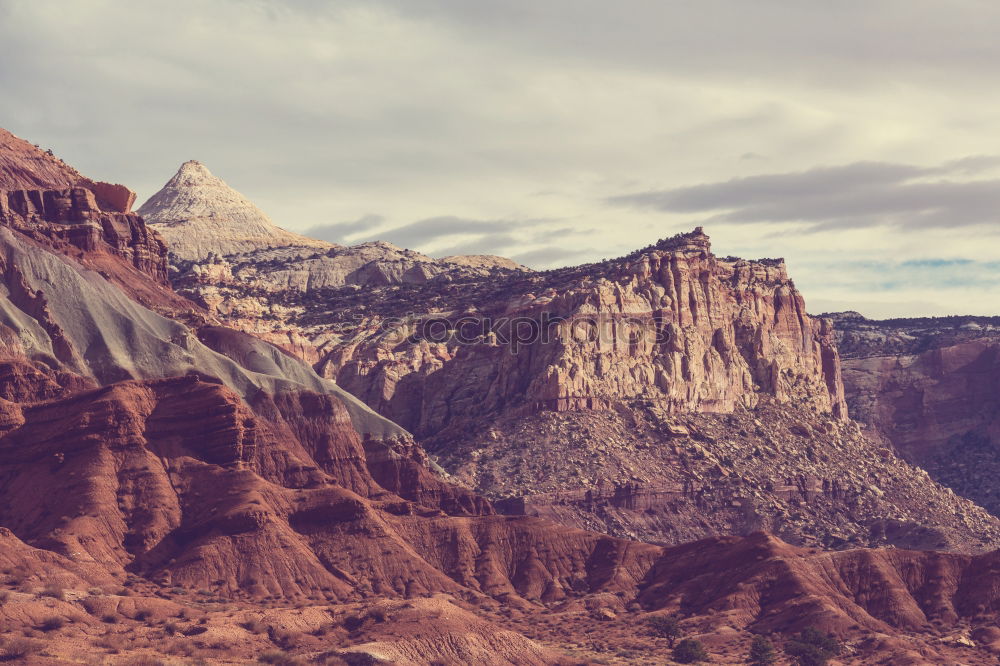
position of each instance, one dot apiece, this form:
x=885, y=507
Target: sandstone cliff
x=664, y=396
x=930, y=386
x=672, y=326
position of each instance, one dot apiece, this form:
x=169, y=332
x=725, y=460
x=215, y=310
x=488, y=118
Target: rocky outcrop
x=200, y=215
x=606, y=397
x=24, y=166
x=930, y=386
x=265, y=292
x=45, y=199
x=72, y=218
x=671, y=326
x=483, y=261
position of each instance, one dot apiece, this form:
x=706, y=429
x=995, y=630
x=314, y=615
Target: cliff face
x=73, y=219
x=44, y=198
x=930, y=387
x=665, y=396
x=672, y=326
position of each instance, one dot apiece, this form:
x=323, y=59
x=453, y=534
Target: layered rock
x=46, y=199
x=233, y=261
x=665, y=396
x=142, y=458
x=930, y=386
x=672, y=326
x=72, y=218
x=266, y=292
x=27, y=167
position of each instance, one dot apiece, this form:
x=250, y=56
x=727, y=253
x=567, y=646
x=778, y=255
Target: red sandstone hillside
x=171, y=488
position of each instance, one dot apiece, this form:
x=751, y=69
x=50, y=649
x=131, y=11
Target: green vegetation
x=690, y=651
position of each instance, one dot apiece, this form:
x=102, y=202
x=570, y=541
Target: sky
x=859, y=140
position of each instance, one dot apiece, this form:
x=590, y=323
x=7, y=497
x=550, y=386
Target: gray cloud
x=470, y=236
x=553, y=256
x=322, y=110
x=856, y=195
x=341, y=233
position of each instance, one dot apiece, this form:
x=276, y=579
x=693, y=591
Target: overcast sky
x=858, y=139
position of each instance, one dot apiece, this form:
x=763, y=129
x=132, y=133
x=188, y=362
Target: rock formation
x=930, y=387
x=200, y=215
x=671, y=326
x=173, y=488
x=27, y=167
x=587, y=395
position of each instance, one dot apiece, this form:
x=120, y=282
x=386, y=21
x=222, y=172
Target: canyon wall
x=931, y=387
x=671, y=326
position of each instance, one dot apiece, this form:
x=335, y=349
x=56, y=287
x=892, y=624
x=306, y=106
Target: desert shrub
x=278, y=658
x=17, y=649
x=113, y=643
x=54, y=590
x=689, y=651
x=145, y=660
x=109, y=618
x=323, y=629
x=285, y=639
x=353, y=622
x=811, y=647
x=52, y=623
x=17, y=576
x=143, y=615
x=254, y=626
x=762, y=652
x=179, y=646
x=665, y=626
x=4, y=596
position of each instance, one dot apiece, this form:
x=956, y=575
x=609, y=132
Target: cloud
x=856, y=195
x=554, y=256
x=450, y=235
x=342, y=232
x=715, y=112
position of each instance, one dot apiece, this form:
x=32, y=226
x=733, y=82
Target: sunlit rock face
x=199, y=214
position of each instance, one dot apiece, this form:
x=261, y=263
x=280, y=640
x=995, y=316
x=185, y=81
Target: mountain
x=229, y=257
x=200, y=215
x=665, y=396
x=175, y=489
x=930, y=387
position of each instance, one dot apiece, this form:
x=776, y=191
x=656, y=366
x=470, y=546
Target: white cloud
x=398, y=111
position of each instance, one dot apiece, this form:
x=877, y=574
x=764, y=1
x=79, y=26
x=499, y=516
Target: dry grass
x=54, y=590
x=278, y=658
x=52, y=623
x=113, y=643
x=17, y=649
x=255, y=626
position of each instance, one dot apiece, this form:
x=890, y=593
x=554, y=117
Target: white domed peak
x=199, y=214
